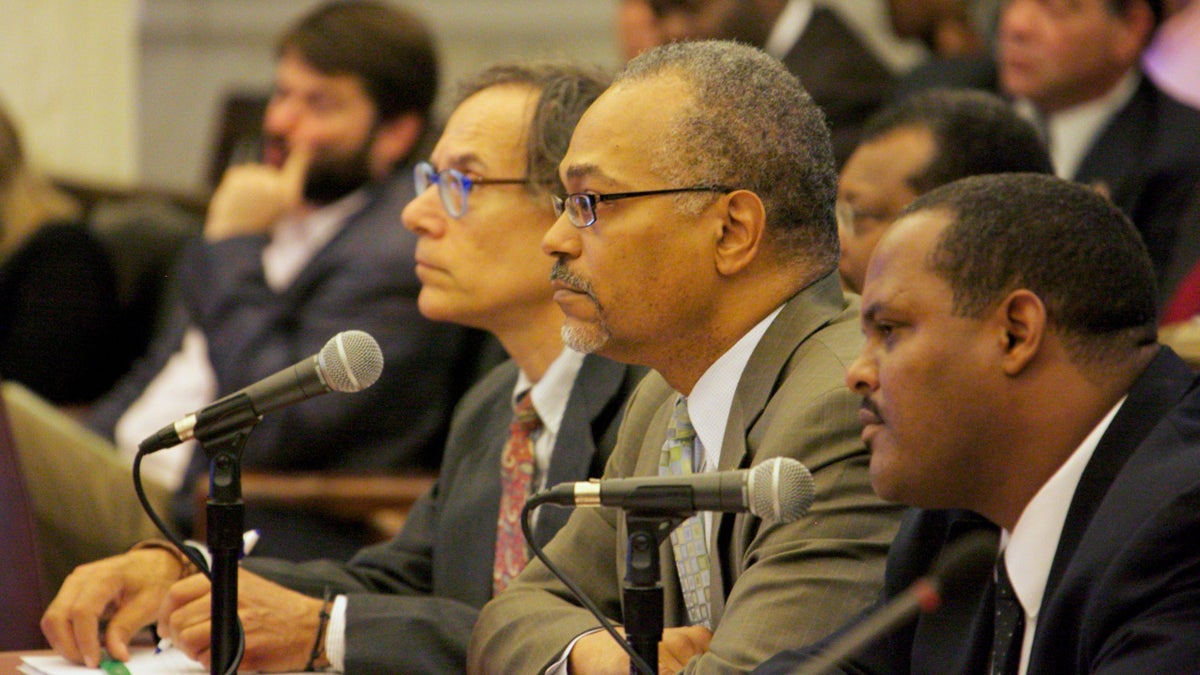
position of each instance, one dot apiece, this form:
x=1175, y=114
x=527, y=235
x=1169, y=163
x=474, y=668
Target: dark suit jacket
x=843, y=77
x=768, y=578
x=1123, y=595
x=363, y=279
x=942, y=72
x=60, y=315
x=1148, y=159
x=413, y=600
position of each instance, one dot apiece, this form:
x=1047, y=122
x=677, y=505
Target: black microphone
x=351, y=361
x=961, y=566
x=778, y=490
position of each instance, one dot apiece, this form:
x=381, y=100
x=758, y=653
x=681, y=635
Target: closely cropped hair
x=974, y=133
x=1058, y=239
x=565, y=92
x=750, y=125
x=386, y=46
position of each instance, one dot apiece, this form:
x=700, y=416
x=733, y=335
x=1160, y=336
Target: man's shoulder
x=1173, y=125
x=821, y=323
x=496, y=385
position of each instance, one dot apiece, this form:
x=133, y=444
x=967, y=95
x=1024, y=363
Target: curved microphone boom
x=351, y=361
x=779, y=489
x=961, y=566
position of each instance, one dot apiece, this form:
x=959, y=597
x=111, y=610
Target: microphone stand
x=222, y=434
x=642, y=590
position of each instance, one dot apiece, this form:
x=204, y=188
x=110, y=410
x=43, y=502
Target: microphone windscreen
x=781, y=490
x=351, y=361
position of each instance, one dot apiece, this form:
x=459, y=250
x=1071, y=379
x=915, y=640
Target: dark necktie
x=1009, y=626
x=516, y=475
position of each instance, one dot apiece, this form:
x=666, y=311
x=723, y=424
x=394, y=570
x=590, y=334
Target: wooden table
x=10, y=660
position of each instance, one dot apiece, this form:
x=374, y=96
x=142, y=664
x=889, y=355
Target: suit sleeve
x=794, y=583
x=788, y=584
x=1149, y=597
x=389, y=604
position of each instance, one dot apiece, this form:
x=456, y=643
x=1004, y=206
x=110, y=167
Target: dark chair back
x=20, y=583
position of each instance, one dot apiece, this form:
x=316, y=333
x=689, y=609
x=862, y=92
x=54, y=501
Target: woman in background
x=59, y=308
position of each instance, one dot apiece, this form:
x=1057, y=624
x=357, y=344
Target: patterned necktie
x=687, y=540
x=1009, y=626
x=516, y=475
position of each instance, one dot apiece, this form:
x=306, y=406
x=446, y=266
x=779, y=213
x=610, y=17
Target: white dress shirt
x=788, y=28
x=1030, y=548
x=1073, y=130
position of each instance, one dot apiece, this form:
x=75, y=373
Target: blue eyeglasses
x=454, y=185
x=580, y=207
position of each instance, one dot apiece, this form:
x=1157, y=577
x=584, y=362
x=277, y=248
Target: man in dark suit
x=408, y=605
x=700, y=240
x=1037, y=398
x=295, y=249
x=845, y=78
x=1074, y=68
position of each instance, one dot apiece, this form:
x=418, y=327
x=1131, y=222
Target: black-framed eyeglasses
x=580, y=207
x=454, y=185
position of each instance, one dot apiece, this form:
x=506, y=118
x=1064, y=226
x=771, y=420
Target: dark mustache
x=560, y=273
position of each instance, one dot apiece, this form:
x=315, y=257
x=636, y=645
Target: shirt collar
x=1030, y=549
x=298, y=237
x=1072, y=131
x=550, y=393
x=712, y=397
x=788, y=27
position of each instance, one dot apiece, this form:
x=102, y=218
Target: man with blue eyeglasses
x=408, y=605
x=697, y=236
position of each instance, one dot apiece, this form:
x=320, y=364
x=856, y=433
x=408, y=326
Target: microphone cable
x=192, y=554
x=527, y=529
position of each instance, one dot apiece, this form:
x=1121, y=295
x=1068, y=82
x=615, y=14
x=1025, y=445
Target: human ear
x=1022, y=316
x=744, y=221
x=396, y=138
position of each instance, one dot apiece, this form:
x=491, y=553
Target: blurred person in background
x=637, y=28
x=960, y=36
x=833, y=63
x=1074, y=69
x=913, y=146
x=296, y=248
x=59, y=304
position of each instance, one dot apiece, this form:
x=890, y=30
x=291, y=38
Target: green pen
x=112, y=666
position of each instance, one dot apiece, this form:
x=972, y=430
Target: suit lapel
x=1165, y=381
x=803, y=315
x=383, y=200
x=1123, y=143
x=598, y=381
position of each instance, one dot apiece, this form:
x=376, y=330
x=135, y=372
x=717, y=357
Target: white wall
x=194, y=51
x=69, y=80
x=124, y=91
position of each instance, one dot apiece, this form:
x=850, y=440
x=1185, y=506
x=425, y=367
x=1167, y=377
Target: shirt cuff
x=559, y=667
x=335, y=635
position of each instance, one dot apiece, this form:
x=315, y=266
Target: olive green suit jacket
x=773, y=585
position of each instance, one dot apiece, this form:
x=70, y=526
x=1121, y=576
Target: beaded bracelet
x=319, y=646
